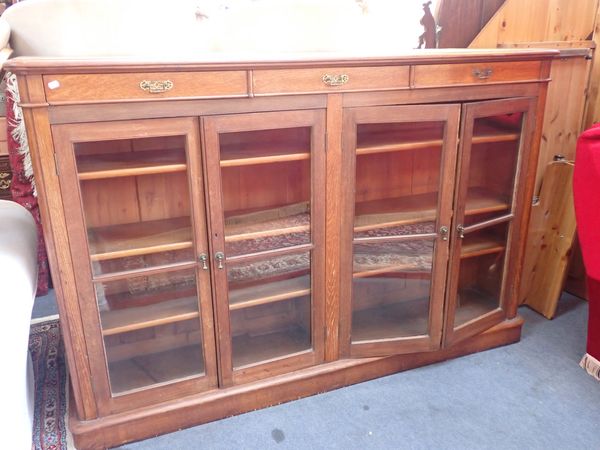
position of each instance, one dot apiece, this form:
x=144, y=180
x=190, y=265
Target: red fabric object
x=593, y=342
x=22, y=193
x=586, y=191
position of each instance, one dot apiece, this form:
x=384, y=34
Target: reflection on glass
x=269, y=300
x=397, y=174
x=494, y=157
x=391, y=289
x=151, y=329
x=128, y=189
x=480, y=274
x=265, y=177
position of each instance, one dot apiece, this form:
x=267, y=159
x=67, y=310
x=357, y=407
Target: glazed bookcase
x=225, y=236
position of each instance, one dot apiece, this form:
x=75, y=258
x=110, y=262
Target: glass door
x=133, y=200
x=399, y=165
x=266, y=191
x=485, y=249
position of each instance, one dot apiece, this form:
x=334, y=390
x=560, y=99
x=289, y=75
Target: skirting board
x=174, y=415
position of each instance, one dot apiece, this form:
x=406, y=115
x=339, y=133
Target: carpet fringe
x=19, y=133
x=591, y=365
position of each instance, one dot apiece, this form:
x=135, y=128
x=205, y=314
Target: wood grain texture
x=565, y=103
x=538, y=20
x=592, y=113
x=333, y=227
x=465, y=74
x=311, y=80
x=551, y=237
x=103, y=87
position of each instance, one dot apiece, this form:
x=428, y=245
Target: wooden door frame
x=450, y=115
x=212, y=126
x=513, y=255
x=65, y=137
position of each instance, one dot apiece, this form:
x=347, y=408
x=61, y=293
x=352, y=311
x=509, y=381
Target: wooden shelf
x=269, y=293
x=419, y=208
x=127, y=164
x=131, y=319
x=401, y=269
x=473, y=303
x=401, y=319
x=155, y=368
x=480, y=245
x=249, y=349
x=483, y=134
x=266, y=223
x=143, y=238
x=264, y=159
x=253, y=153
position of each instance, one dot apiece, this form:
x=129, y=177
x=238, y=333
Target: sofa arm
x=18, y=283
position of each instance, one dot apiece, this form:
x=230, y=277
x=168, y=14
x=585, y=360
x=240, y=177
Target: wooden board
x=566, y=101
x=551, y=236
x=538, y=20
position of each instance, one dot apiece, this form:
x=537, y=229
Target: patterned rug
x=47, y=354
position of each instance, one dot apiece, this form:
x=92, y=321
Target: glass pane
x=494, y=157
x=151, y=329
x=270, y=304
x=135, y=196
x=265, y=177
x=391, y=289
x=397, y=176
x=481, y=272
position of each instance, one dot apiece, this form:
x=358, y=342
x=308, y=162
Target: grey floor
x=531, y=395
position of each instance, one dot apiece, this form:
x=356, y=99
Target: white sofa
x=18, y=283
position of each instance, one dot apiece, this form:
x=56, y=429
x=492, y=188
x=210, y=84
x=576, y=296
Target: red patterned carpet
x=47, y=354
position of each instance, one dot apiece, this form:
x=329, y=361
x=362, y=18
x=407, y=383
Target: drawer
x=286, y=81
x=145, y=86
x=476, y=73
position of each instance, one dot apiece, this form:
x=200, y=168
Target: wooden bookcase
x=247, y=233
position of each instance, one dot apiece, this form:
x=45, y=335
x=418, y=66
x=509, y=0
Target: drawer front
x=144, y=86
x=286, y=81
x=476, y=73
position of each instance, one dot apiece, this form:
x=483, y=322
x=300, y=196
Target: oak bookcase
x=225, y=236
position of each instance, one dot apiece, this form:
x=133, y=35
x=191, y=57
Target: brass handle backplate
x=461, y=231
x=335, y=80
x=204, y=261
x=444, y=233
x=156, y=87
x=483, y=74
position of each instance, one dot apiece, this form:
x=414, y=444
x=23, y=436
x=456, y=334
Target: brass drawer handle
x=156, y=87
x=335, y=80
x=483, y=74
